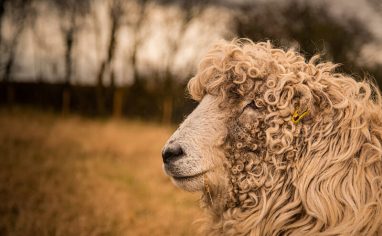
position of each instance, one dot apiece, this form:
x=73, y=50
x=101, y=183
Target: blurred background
x=90, y=90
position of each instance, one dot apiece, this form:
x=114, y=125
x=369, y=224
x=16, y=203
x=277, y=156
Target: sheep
x=279, y=145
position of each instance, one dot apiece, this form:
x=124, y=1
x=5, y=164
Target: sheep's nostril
x=172, y=151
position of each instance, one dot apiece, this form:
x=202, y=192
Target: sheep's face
x=194, y=151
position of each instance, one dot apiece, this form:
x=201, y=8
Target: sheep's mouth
x=189, y=177
x=186, y=178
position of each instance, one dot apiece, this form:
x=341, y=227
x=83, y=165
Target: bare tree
x=20, y=12
x=137, y=40
x=2, y=10
x=73, y=13
x=116, y=10
x=191, y=9
x=312, y=27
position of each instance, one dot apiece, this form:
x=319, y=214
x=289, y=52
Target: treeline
x=141, y=88
x=119, y=101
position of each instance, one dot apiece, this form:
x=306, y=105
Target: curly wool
x=322, y=176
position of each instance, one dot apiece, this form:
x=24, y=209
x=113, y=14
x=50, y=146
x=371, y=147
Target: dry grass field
x=76, y=176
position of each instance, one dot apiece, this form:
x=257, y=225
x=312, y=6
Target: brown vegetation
x=73, y=176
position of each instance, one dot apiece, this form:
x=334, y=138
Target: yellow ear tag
x=297, y=117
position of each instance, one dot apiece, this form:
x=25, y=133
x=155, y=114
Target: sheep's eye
x=251, y=105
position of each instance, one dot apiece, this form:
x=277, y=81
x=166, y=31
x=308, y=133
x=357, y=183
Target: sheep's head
x=243, y=104
x=271, y=133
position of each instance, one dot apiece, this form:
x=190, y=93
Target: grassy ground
x=75, y=176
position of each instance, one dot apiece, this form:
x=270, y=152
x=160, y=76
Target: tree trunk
x=2, y=2
x=66, y=100
x=167, y=110
x=7, y=78
x=106, y=65
x=100, y=91
x=69, y=39
x=118, y=102
x=10, y=92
